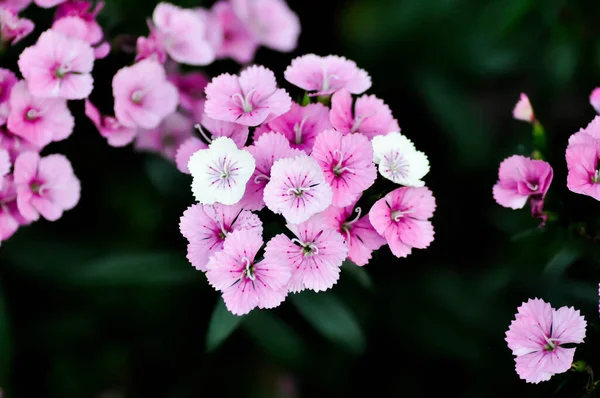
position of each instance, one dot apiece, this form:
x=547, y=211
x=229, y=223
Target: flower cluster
x=310, y=163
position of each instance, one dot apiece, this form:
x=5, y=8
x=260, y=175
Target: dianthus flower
x=237, y=43
x=7, y=81
x=523, y=110
x=12, y=28
x=398, y=159
x=166, y=138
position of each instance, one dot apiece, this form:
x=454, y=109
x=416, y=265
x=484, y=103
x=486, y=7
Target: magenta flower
x=326, y=75
x=300, y=125
x=14, y=144
x=249, y=99
x=15, y=5
x=166, y=138
x=360, y=236
x=245, y=282
x=150, y=48
x=181, y=33
x=76, y=27
x=206, y=227
x=10, y=218
x=191, y=91
x=401, y=217
x=185, y=152
x=38, y=120
x=143, y=96
x=218, y=128
x=314, y=255
x=371, y=115
x=347, y=163
x=583, y=162
x=297, y=189
x=536, y=337
x=237, y=42
x=521, y=178
x=48, y=3
x=595, y=99
x=7, y=81
x=12, y=28
x=83, y=11
x=523, y=110
x=269, y=148
x=45, y=186
x=271, y=22
x=109, y=127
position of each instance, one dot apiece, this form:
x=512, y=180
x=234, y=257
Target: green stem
x=540, y=143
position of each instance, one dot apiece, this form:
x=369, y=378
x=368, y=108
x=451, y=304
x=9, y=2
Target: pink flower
x=218, y=128
x=536, y=337
x=523, y=110
x=7, y=81
x=109, y=127
x=12, y=28
x=15, y=5
x=76, y=27
x=143, y=96
x=271, y=22
x=245, y=282
x=297, y=189
x=48, y=3
x=10, y=218
x=590, y=135
x=58, y=66
x=167, y=137
x=38, y=120
x=45, y=186
x=238, y=43
x=4, y=164
x=326, y=75
x=401, y=217
x=315, y=255
x=347, y=163
x=583, y=162
x=371, y=115
x=360, y=236
x=83, y=11
x=150, y=48
x=300, y=125
x=185, y=152
x=181, y=33
x=248, y=99
x=14, y=144
x=595, y=99
x=191, y=91
x=206, y=227
x=521, y=178
x=269, y=148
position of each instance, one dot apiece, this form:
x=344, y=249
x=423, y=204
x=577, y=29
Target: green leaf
x=5, y=344
x=559, y=263
x=331, y=318
x=221, y=325
x=359, y=274
x=275, y=336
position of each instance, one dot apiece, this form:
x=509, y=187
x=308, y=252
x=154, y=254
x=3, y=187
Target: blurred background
x=104, y=304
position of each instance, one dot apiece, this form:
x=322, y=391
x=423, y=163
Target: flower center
x=61, y=71
x=308, y=248
x=137, y=96
x=248, y=269
x=168, y=140
x=339, y=168
x=298, y=191
x=533, y=187
x=298, y=131
x=397, y=214
x=32, y=114
x=596, y=176
x=245, y=101
x=37, y=187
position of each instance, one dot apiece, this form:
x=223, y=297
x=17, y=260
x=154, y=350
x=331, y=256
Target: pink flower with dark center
x=167, y=137
x=347, y=163
x=149, y=47
x=583, y=162
x=245, y=282
x=523, y=110
x=7, y=81
x=12, y=28
x=10, y=218
x=237, y=41
x=314, y=255
x=218, y=128
x=38, y=120
x=109, y=127
x=248, y=99
x=15, y=5
x=45, y=186
x=191, y=91
x=58, y=66
x=401, y=217
x=360, y=236
x=371, y=116
x=297, y=189
x=300, y=125
x=326, y=75
x=143, y=96
x=206, y=227
x=185, y=152
x=14, y=144
x=537, y=337
x=269, y=148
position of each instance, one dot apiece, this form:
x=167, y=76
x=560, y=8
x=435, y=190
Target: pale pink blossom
x=14, y=144
x=191, y=91
x=595, y=99
x=583, y=162
x=218, y=128
x=5, y=164
x=7, y=81
x=45, y=186
x=48, y=3
x=590, y=135
x=185, y=152
x=109, y=127
x=181, y=32
x=537, y=337
x=237, y=41
x=297, y=189
x=213, y=31
x=402, y=218
x=58, y=66
x=76, y=27
x=315, y=255
x=360, y=236
x=271, y=22
x=12, y=28
x=520, y=179
x=206, y=227
x=150, y=48
x=347, y=163
x=371, y=116
x=245, y=282
x=167, y=136
x=10, y=218
x=523, y=110
x=300, y=125
x=83, y=11
x=269, y=148
x=248, y=99
x=15, y=5
x=326, y=75
x=38, y=120
x=143, y=96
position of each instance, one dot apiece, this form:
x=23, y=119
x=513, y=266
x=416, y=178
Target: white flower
x=220, y=173
x=398, y=159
